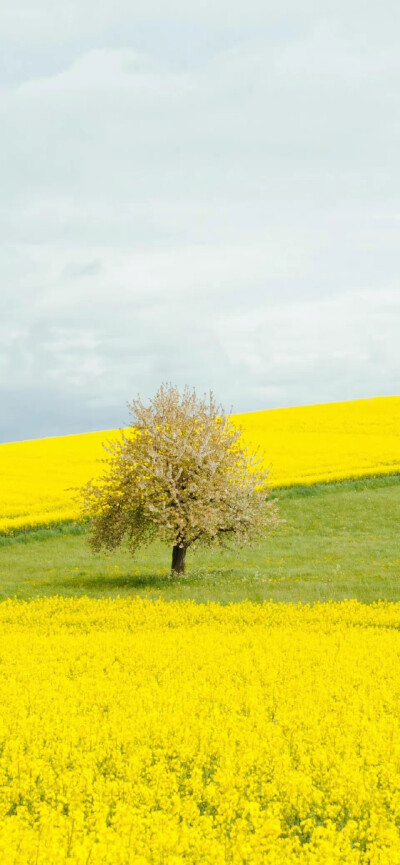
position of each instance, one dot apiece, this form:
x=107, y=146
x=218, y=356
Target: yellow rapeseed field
x=302, y=445
x=138, y=732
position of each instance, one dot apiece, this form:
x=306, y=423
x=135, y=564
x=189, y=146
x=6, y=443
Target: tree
x=181, y=474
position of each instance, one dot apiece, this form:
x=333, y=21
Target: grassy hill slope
x=340, y=540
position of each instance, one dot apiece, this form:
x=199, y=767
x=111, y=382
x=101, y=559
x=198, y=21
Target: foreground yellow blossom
x=302, y=445
x=136, y=732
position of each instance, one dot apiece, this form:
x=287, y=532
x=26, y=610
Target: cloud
x=209, y=198
x=350, y=340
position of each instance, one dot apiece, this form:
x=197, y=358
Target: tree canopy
x=180, y=473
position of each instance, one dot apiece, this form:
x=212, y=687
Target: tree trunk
x=178, y=559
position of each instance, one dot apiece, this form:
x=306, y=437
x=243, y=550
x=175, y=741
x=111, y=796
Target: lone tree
x=179, y=473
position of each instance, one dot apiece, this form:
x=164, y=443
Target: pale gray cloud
x=207, y=195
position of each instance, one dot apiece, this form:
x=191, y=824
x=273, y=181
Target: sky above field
x=203, y=193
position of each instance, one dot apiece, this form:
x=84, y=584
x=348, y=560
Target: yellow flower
x=301, y=445
x=143, y=732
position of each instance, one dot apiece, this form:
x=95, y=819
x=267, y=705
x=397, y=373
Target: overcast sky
x=206, y=194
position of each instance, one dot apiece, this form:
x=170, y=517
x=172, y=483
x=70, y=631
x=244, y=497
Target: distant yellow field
x=302, y=445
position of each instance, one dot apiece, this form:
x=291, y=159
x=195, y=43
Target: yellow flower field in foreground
x=136, y=732
x=302, y=445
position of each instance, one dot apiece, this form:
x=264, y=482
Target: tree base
x=178, y=560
